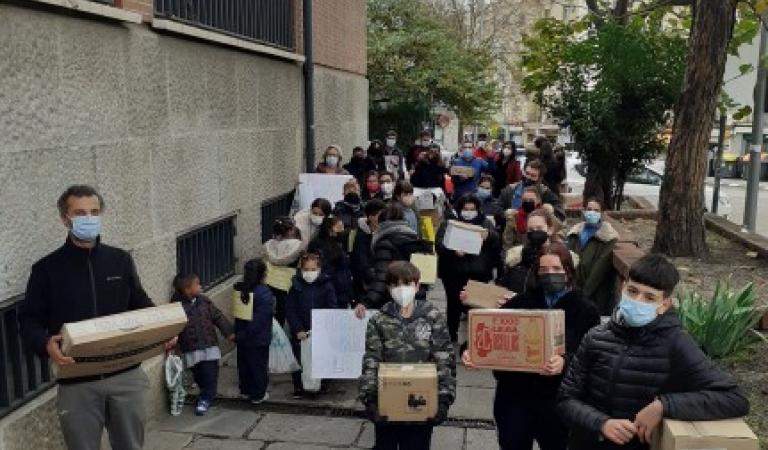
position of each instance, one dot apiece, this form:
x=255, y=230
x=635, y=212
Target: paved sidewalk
x=331, y=421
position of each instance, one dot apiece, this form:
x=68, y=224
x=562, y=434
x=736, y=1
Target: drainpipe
x=309, y=88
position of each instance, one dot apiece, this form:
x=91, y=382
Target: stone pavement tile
x=307, y=429
x=223, y=444
x=367, y=436
x=448, y=438
x=474, y=378
x=294, y=446
x=157, y=440
x=219, y=422
x=473, y=403
x=482, y=439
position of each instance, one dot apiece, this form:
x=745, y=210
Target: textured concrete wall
x=173, y=132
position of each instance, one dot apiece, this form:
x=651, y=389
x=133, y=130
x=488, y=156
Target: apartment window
x=208, y=251
x=23, y=376
x=269, y=22
x=272, y=209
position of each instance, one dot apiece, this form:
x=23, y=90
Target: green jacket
x=422, y=338
x=595, y=275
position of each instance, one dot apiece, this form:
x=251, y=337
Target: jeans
x=206, y=375
x=253, y=371
x=394, y=436
x=453, y=287
x=521, y=419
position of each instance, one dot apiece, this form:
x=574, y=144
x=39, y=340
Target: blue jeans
x=206, y=375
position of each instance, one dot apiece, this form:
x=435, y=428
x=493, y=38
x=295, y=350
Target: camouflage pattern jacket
x=422, y=338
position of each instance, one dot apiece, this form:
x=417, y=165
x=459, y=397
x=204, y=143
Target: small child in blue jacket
x=310, y=289
x=254, y=336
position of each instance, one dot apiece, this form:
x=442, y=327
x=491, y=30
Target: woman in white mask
x=308, y=221
x=407, y=330
x=455, y=268
x=330, y=162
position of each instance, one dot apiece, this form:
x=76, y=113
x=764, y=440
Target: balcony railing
x=272, y=209
x=23, y=375
x=269, y=22
x=208, y=252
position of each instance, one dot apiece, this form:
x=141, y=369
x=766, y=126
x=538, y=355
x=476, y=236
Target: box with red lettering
x=515, y=340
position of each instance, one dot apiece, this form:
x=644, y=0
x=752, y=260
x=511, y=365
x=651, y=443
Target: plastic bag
x=310, y=384
x=174, y=374
x=281, y=359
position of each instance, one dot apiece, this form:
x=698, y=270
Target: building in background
x=190, y=121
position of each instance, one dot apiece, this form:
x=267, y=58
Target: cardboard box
x=484, y=295
x=731, y=434
x=427, y=265
x=515, y=340
x=111, y=343
x=463, y=237
x=407, y=392
x=462, y=171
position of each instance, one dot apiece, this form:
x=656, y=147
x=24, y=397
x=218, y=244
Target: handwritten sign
x=338, y=343
x=318, y=185
x=463, y=237
x=392, y=164
x=240, y=310
x=279, y=277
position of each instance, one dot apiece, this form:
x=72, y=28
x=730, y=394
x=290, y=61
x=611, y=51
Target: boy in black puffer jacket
x=641, y=367
x=197, y=341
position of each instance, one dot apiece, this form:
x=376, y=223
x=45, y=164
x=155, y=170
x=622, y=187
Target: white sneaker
x=262, y=400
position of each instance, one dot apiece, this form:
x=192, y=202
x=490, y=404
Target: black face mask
x=353, y=198
x=527, y=182
x=553, y=282
x=529, y=206
x=537, y=238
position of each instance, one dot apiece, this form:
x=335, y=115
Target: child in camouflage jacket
x=407, y=331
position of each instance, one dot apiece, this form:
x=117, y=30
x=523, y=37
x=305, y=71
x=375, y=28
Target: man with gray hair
x=81, y=280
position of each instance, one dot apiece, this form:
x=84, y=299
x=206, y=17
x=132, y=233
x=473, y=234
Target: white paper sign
x=462, y=239
x=338, y=343
x=318, y=185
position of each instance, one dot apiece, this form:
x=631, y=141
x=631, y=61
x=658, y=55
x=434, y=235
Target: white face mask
x=387, y=188
x=316, y=220
x=331, y=160
x=403, y=295
x=481, y=144
x=507, y=152
x=310, y=276
x=391, y=142
x=469, y=215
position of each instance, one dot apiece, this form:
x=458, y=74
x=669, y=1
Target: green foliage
x=613, y=85
x=720, y=325
x=415, y=58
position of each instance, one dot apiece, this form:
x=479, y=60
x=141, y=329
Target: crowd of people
x=610, y=390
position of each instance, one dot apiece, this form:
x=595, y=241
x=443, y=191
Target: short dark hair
x=656, y=271
x=401, y=272
x=282, y=226
x=391, y=213
x=387, y=173
x=183, y=280
x=323, y=204
x=539, y=141
x=533, y=190
x=391, y=133
x=79, y=191
x=254, y=273
x=402, y=187
x=468, y=198
x=374, y=207
x=538, y=165
x=595, y=200
x=488, y=178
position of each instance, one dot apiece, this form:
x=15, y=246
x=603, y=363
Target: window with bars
x=208, y=251
x=23, y=375
x=272, y=209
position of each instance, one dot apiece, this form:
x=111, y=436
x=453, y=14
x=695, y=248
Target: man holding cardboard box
x=81, y=280
x=641, y=367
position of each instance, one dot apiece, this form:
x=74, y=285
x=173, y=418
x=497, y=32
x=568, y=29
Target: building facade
x=191, y=124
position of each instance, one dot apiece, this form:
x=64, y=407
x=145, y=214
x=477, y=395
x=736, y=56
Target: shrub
x=721, y=326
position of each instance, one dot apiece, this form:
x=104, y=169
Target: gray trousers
x=116, y=403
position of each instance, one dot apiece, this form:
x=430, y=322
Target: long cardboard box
x=515, y=340
x=111, y=343
x=731, y=434
x=407, y=392
x=484, y=295
x=462, y=171
x=463, y=237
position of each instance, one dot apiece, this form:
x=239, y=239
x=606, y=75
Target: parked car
x=644, y=182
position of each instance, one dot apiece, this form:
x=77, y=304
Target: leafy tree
x=612, y=85
x=415, y=60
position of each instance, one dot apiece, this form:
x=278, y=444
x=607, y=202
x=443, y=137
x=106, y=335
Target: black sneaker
x=298, y=394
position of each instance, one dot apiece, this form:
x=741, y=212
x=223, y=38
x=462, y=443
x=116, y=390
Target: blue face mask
x=86, y=228
x=331, y=160
x=592, y=217
x=635, y=313
x=483, y=193
x=467, y=153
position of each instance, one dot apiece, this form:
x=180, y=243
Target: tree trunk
x=680, y=230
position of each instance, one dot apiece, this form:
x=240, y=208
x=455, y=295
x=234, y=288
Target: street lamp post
x=750, y=208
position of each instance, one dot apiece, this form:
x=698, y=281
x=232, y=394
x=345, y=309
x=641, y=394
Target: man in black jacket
x=81, y=280
x=641, y=367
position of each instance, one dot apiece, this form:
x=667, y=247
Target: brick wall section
x=143, y=7
x=340, y=40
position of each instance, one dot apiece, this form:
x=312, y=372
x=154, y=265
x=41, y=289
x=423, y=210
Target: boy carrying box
x=407, y=331
x=641, y=367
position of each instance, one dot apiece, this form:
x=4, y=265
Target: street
x=735, y=189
